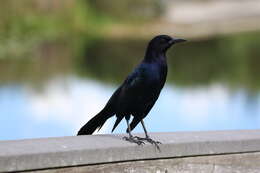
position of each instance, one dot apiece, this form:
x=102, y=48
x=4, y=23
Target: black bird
x=138, y=93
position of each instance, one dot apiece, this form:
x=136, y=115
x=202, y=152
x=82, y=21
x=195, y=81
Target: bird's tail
x=96, y=122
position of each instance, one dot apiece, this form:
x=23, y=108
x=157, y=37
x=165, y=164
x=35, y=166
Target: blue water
x=65, y=104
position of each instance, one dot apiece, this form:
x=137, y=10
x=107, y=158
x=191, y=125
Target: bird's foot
x=133, y=140
x=151, y=141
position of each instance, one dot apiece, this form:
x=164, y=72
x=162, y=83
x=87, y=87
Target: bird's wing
x=131, y=90
x=126, y=94
x=136, y=79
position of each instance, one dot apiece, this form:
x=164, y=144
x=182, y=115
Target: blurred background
x=61, y=60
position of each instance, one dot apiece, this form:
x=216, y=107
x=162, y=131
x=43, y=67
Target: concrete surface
x=231, y=163
x=35, y=154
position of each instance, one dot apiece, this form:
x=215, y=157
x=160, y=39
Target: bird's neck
x=154, y=55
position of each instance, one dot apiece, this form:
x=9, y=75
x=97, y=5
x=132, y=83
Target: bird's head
x=161, y=43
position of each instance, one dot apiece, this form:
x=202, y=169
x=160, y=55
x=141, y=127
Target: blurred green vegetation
x=41, y=40
x=232, y=60
x=129, y=10
x=25, y=25
x=36, y=36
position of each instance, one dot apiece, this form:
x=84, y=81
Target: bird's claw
x=151, y=141
x=133, y=140
x=148, y=139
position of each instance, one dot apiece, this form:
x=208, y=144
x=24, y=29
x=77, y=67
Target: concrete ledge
x=36, y=154
x=226, y=163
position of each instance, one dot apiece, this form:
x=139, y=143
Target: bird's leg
x=147, y=138
x=131, y=138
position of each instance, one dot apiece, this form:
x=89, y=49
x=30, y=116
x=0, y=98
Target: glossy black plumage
x=140, y=90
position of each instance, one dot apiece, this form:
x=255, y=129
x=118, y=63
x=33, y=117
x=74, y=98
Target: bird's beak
x=178, y=40
x=175, y=40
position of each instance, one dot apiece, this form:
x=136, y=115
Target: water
x=212, y=85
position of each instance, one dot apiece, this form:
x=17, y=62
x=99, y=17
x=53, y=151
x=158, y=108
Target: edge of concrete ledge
x=45, y=153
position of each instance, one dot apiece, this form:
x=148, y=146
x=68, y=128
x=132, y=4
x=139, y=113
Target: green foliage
x=232, y=60
x=129, y=10
x=24, y=25
x=36, y=36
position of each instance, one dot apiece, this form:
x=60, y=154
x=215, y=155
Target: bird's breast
x=156, y=74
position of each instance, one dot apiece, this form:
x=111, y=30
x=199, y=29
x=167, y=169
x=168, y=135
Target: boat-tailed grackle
x=138, y=93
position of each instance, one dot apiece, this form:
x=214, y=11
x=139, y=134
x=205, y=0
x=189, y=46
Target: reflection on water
x=212, y=85
x=65, y=104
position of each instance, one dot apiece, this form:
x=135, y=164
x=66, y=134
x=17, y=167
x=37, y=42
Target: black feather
x=139, y=92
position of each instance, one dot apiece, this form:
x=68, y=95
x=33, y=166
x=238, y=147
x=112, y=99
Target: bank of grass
x=24, y=25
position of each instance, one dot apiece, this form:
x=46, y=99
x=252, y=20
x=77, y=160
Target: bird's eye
x=167, y=39
x=164, y=40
